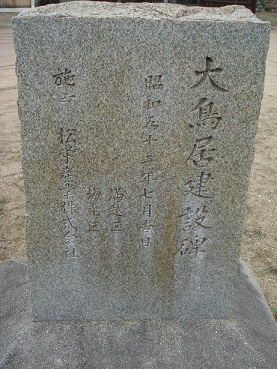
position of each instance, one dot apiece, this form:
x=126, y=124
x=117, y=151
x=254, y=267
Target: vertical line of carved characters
x=93, y=196
x=148, y=228
x=147, y=179
x=194, y=219
x=67, y=182
x=194, y=223
x=116, y=208
x=67, y=141
x=70, y=229
x=70, y=236
x=153, y=82
x=208, y=75
x=148, y=225
x=201, y=154
x=208, y=115
x=65, y=82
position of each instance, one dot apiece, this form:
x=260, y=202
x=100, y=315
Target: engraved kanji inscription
x=71, y=251
x=148, y=158
x=68, y=206
x=151, y=123
x=67, y=137
x=194, y=218
x=148, y=177
x=94, y=226
x=116, y=210
x=67, y=140
x=94, y=209
x=146, y=241
x=193, y=246
x=199, y=186
x=151, y=104
x=147, y=210
x=69, y=236
x=150, y=139
x=116, y=193
x=208, y=74
x=154, y=82
x=65, y=77
x=94, y=193
x=207, y=114
x=147, y=194
x=201, y=154
x=67, y=181
x=147, y=226
x=66, y=97
x=116, y=226
x=71, y=230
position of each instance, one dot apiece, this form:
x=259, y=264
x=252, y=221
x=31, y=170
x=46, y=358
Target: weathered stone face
x=138, y=126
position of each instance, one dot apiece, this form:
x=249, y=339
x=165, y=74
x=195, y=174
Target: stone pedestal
x=247, y=340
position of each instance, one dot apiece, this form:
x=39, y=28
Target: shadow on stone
x=246, y=340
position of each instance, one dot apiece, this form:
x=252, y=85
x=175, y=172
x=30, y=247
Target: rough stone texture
x=138, y=126
x=245, y=341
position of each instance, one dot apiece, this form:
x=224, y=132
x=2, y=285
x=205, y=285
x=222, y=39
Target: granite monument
x=138, y=126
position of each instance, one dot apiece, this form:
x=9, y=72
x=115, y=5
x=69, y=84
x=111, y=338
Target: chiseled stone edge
x=79, y=9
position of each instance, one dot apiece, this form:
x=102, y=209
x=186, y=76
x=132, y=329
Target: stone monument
x=138, y=125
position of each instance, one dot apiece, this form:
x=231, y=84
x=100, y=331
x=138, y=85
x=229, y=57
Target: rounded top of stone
x=86, y=9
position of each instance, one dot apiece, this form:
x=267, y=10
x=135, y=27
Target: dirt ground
x=260, y=235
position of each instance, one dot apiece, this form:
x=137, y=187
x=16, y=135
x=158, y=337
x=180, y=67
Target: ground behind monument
x=259, y=241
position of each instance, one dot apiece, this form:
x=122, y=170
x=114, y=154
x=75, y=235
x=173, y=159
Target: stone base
x=248, y=339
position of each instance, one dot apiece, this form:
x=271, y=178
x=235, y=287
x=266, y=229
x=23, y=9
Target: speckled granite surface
x=247, y=340
x=138, y=125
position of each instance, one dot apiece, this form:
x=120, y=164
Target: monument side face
x=138, y=125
